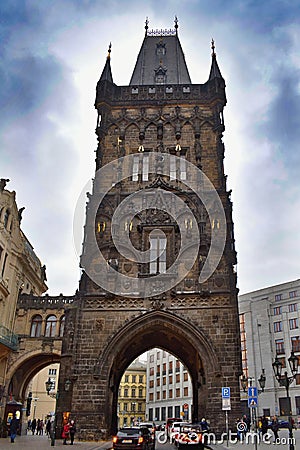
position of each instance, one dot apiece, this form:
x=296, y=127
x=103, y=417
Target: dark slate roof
x=214, y=70
x=106, y=74
x=160, y=61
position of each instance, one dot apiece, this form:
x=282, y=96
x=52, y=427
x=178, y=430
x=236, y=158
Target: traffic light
x=28, y=406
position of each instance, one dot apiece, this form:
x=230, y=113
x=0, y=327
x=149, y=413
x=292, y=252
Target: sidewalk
x=43, y=442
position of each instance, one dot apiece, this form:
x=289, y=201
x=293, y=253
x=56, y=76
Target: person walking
x=13, y=428
x=33, y=426
x=264, y=425
x=66, y=433
x=275, y=428
x=72, y=430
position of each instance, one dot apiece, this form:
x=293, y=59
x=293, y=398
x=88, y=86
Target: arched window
x=51, y=326
x=62, y=326
x=36, y=326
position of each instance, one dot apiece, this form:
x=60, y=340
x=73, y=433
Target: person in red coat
x=66, y=433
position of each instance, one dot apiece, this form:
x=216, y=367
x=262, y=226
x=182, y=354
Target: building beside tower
x=21, y=271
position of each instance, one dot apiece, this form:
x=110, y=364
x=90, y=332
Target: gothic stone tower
x=158, y=135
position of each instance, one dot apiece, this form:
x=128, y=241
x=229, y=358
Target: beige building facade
x=21, y=271
x=132, y=394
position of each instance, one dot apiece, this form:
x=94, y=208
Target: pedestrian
x=48, y=427
x=13, y=428
x=275, y=428
x=264, y=425
x=33, y=426
x=204, y=424
x=72, y=431
x=66, y=433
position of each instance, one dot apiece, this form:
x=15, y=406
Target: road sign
x=225, y=392
x=252, y=402
x=252, y=391
x=226, y=404
x=185, y=407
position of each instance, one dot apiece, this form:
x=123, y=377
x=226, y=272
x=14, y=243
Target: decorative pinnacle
x=146, y=26
x=213, y=47
x=176, y=24
x=109, y=51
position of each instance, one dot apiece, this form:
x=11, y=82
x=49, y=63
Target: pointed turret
x=214, y=70
x=106, y=74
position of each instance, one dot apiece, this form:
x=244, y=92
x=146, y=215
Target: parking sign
x=225, y=392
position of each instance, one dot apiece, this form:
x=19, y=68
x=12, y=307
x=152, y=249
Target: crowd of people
x=263, y=426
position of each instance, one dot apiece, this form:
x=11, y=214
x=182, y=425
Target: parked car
x=133, y=438
x=190, y=435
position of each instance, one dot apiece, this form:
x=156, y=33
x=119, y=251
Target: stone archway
x=25, y=368
x=173, y=334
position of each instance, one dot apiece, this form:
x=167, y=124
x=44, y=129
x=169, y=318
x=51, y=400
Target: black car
x=133, y=438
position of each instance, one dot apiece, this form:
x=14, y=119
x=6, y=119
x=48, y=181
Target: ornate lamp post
x=49, y=386
x=285, y=380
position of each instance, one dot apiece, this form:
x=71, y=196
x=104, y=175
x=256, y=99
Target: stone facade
x=197, y=322
x=21, y=271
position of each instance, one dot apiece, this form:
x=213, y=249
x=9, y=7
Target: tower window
x=145, y=174
x=51, y=326
x=158, y=260
x=135, y=168
x=36, y=326
x=183, y=168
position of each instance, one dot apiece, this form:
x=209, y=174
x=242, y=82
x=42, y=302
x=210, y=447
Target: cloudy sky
x=52, y=54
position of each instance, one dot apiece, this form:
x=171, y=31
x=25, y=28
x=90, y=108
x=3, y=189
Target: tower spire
x=106, y=74
x=214, y=70
x=176, y=25
x=146, y=26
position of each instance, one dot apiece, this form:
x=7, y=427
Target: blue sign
x=225, y=392
x=252, y=391
x=252, y=402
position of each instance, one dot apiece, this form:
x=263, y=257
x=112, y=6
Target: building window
x=158, y=395
x=135, y=168
x=151, y=414
x=133, y=392
x=151, y=383
x=164, y=380
x=140, y=407
x=170, y=379
x=293, y=323
x=151, y=371
x=36, y=326
x=172, y=167
x=133, y=378
x=292, y=294
x=125, y=392
x=293, y=307
x=151, y=358
x=177, y=377
x=163, y=413
x=151, y=396
x=141, y=378
x=145, y=173
x=186, y=392
x=177, y=369
x=62, y=326
x=182, y=168
x=164, y=394
x=278, y=297
x=156, y=414
x=158, y=381
x=140, y=392
x=178, y=392
x=126, y=380
x=158, y=261
x=52, y=372
x=277, y=310
x=295, y=343
x=125, y=406
x=279, y=346
x=185, y=376
x=170, y=366
x=133, y=405
x=51, y=326
x=170, y=393
x=277, y=327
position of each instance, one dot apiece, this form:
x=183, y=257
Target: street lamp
x=261, y=380
x=49, y=386
x=285, y=380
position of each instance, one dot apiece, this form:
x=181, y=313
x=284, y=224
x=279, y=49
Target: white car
x=175, y=430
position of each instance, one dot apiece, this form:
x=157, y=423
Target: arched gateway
x=158, y=254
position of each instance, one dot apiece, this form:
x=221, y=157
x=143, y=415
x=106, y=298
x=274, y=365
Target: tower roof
x=160, y=60
x=106, y=73
x=214, y=70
